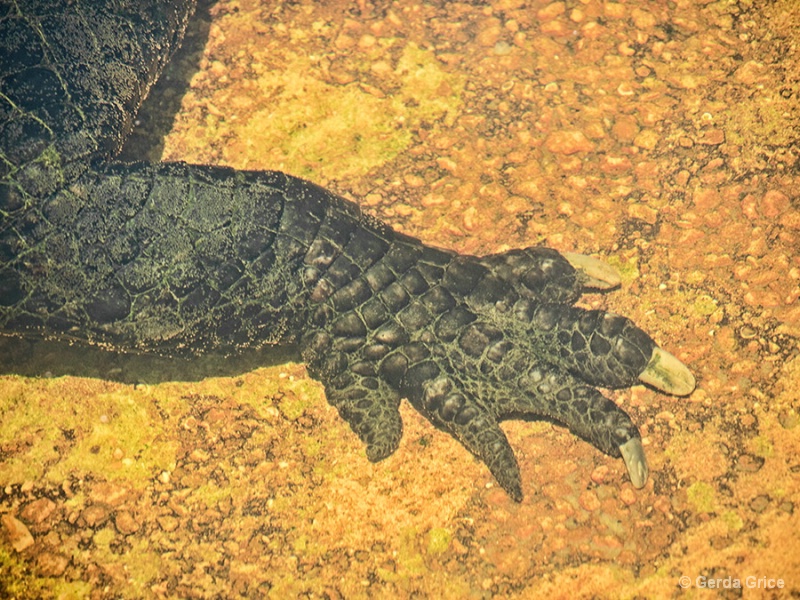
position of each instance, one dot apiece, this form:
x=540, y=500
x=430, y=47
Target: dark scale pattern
x=174, y=258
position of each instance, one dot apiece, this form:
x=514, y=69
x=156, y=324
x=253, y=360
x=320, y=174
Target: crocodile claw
x=635, y=461
x=666, y=373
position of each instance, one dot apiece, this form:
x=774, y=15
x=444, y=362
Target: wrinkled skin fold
x=178, y=259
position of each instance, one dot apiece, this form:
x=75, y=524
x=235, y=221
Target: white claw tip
x=668, y=374
x=595, y=273
x=635, y=461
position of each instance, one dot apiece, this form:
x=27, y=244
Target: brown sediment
x=660, y=137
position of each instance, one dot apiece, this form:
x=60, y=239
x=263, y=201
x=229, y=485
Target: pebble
x=627, y=496
x=614, y=10
x=109, y=493
x=168, y=523
x=94, y=515
x=612, y=165
x=490, y=33
x=502, y=48
x=706, y=199
x=17, y=533
x=125, y=523
x=751, y=72
x=577, y=15
x=551, y=11
x=589, y=501
x=647, y=139
x=556, y=28
x=643, y=213
x=625, y=129
x=712, y=137
x=599, y=474
x=38, y=510
x=51, y=564
x=643, y=19
x=774, y=203
x=568, y=141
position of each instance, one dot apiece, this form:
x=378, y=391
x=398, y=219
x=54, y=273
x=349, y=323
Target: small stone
x=599, y=474
x=625, y=49
x=614, y=10
x=643, y=213
x=627, y=496
x=614, y=165
x=625, y=129
x=643, y=19
x=712, y=137
x=647, y=139
x=344, y=41
x=38, y=510
x=551, y=11
x=774, y=203
x=17, y=533
x=759, y=504
x=367, y=41
x=607, y=542
x=125, y=523
x=556, y=29
x=216, y=415
x=589, y=501
x=199, y=455
x=577, y=15
x=662, y=504
x=568, y=142
x=502, y=48
x=109, y=493
x=51, y=564
x=626, y=89
x=490, y=33
x=95, y=515
x=470, y=216
x=218, y=69
x=749, y=463
x=751, y=72
x=168, y=523
x=706, y=199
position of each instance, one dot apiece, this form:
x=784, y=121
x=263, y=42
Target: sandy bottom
x=659, y=136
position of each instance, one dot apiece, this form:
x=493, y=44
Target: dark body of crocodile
x=176, y=258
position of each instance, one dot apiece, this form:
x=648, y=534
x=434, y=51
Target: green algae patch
x=149, y=566
x=16, y=583
x=87, y=426
x=628, y=269
x=293, y=406
x=732, y=520
x=436, y=92
x=439, y=540
x=103, y=538
x=211, y=494
x=704, y=305
x=702, y=497
x=761, y=446
x=313, y=128
x=761, y=116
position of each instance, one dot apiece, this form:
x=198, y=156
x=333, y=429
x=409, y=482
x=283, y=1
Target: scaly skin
x=175, y=258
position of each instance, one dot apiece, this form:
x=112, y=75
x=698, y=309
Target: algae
x=702, y=497
x=439, y=539
x=315, y=128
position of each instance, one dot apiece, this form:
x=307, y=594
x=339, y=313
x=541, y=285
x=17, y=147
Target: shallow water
x=660, y=137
